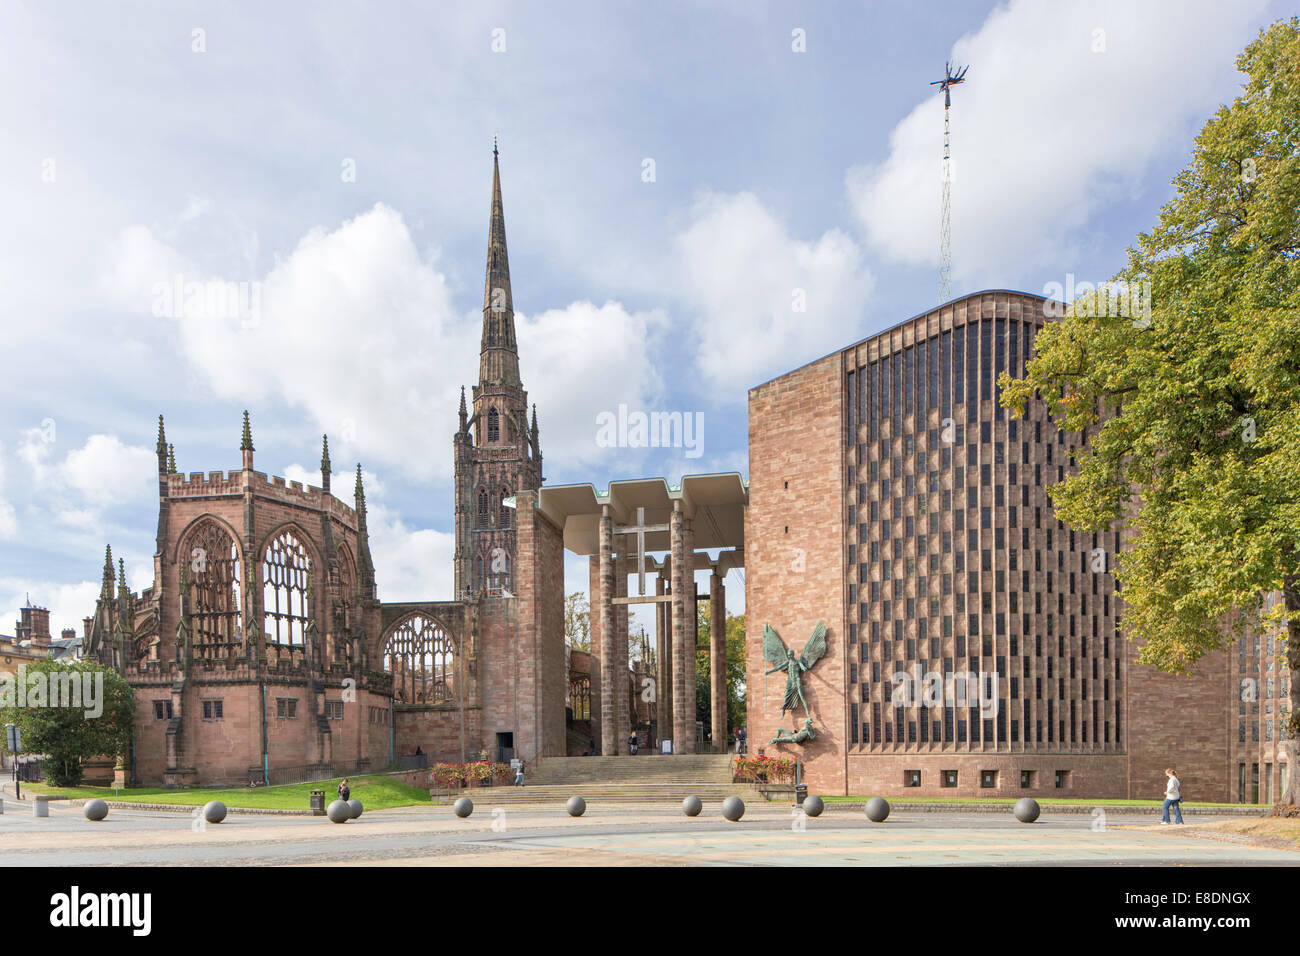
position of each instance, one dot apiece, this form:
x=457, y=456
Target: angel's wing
x=773, y=647
x=815, y=649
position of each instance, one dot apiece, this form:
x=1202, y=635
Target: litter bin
x=318, y=803
x=800, y=791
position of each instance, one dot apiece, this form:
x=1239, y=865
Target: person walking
x=631, y=743
x=1173, y=797
x=519, y=774
x=344, y=790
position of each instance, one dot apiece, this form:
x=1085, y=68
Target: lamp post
x=14, y=743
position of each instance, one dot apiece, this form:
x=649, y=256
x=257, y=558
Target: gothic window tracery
x=421, y=657
x=285, y=570
x=494, y=426
x=503, y=511
x=484, y=515
x=213, y=568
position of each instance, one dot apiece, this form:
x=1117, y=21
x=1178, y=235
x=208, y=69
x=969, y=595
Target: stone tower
x=497, y=449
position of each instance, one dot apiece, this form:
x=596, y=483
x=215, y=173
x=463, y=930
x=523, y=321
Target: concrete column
x=718, y=661
x=622, y=676
x=664, y=653
x=593, y=590
x=609, y=677
x=683, y=633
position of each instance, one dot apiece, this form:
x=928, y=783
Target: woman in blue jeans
x=1173, y=798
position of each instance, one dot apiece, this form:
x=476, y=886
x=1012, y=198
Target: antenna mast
x=950, y=79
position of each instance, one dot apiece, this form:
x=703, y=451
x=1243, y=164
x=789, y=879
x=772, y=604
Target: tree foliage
x=70, y=735
x=735, y=676
x=577, y=621
x=1193, y=412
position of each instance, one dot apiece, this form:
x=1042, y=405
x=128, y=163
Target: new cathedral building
x=974, y=645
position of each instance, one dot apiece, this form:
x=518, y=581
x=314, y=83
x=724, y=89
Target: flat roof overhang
x=714, y=503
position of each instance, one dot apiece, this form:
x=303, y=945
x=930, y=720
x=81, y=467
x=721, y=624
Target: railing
x=412, y=761
x=278, y=776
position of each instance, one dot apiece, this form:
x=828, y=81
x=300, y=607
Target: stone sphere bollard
x=692, y=806
x=338, y=812
x=463, y=807
x=733, y=808
x=214, y=811
x=813, y=805
x=877, y=809
x=95, y=809
x=354, y=805
x=1027, y=810
x=576, y=806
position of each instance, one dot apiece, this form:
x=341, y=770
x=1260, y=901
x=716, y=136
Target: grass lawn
x=375, y=792
x=1045, y=801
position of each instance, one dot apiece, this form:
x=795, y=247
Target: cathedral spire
x=464, y=414
x=498, y=357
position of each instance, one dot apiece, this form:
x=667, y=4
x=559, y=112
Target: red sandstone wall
x=794, y=534
x=1184, y=722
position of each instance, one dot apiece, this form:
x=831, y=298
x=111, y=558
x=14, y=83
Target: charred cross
x=639, y=529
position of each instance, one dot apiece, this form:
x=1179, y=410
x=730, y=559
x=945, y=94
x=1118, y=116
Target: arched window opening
x=285, y=570
x=480, y=580
x=504, y=511
x=420, y=656
x=484, y=515
x=494, y=425
x=213, y=569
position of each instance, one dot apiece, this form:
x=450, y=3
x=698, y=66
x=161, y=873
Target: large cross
x=639, y=529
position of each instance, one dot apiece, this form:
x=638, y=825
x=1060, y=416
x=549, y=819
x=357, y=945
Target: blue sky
x=337, y=159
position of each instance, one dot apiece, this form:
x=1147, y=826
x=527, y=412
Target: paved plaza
x=611, y=835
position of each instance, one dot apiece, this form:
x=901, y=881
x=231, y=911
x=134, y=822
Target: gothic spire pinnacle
x=534, y=426
x=325, y=453
x=359, y=492
x=246, y=443
x=171, y=459
x=108, y=562
x=498, y=358
x=162, y=437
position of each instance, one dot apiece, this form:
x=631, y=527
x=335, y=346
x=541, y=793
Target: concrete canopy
x=715, y=503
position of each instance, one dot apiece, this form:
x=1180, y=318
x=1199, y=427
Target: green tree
x=735, y=676
x=69, y=735
x=1193, y=410
x=577, y=621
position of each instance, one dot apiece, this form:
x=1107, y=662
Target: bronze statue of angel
x=775, y=652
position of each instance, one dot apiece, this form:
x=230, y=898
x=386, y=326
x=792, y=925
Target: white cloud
x=1046, y=132
x=581, y=360
x=353, y=327
x=766, y=301
x=68, y=603
x=410, y=564
x=102, y=475
x=8, y=519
